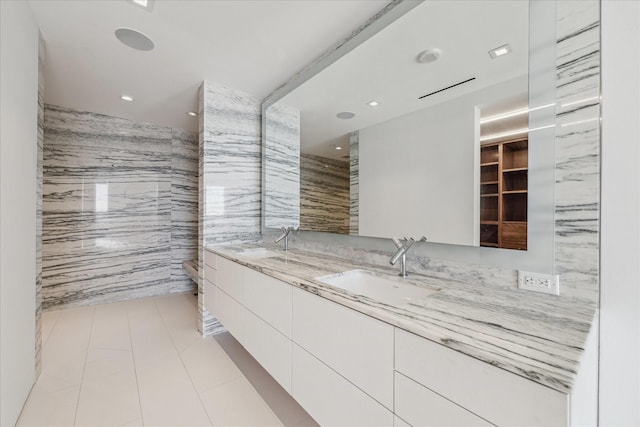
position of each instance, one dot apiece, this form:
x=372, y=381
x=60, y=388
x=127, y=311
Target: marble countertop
x=537, y=336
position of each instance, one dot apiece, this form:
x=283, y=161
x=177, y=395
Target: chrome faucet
x=285, y=235
x=403, y=247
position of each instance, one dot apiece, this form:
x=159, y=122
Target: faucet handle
x=396, y=242
x=423, y=239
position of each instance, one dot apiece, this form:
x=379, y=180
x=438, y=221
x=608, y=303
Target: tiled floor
x=142, y=362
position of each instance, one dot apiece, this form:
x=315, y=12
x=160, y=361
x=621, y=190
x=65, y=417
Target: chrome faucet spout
x=285, y=235
x=401, y=253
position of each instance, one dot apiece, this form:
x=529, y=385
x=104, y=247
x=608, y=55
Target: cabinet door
x=230, y=278
x=329, y=398
x=231, y=314
x=269, y=298
x=498, y=396
x=270, y=348
x=358, y=347
x=422, y=407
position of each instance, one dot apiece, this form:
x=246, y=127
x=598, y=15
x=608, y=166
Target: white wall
x=419, y=172
x=620, y=238
x=18, y=133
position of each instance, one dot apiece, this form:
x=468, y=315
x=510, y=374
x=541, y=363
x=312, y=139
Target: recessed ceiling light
x=134, y=39
x=428, y=56
x=338, y=148
x=127, y=98
x=345, y=115
x=192, y=113
x=373, y=103
x=500, y=51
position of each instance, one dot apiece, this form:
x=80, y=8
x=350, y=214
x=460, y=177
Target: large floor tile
x=104, y=362
x=143, y=363
x=109, y=400
x=49, y=319
x=237, y=404
x=111, y=327
x=208, y=365
x=167, y=395
x=50, y=409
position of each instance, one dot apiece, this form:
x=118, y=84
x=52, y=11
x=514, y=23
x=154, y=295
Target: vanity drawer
x=420, y=406
x=231, y=314
x=496, y=395
x=329, y=398
x=210, y=259
x=269, y=347
x=269, y=298
x=230, y=278
x=356, y=346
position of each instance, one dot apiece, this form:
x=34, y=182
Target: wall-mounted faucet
x=403, y=246
x=285, y=235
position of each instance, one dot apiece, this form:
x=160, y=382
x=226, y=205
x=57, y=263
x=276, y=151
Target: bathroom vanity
x=474, y=349
x=459, y=355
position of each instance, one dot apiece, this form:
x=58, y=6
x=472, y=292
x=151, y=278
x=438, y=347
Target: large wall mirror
x=438, y=123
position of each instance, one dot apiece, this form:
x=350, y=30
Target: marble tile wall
x=354, y=183
x=110, y=190
x=40, y=151
x=282, y=157
x=184, y=205
x=230, y=173
x=577, y=147
x=324, y=194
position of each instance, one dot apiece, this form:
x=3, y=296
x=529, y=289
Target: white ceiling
x=253, y=46
x=384, y=68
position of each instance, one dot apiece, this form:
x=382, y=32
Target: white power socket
x=538, y=282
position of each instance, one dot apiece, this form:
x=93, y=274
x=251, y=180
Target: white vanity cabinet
x=329, y=398
x=492, y=394
x=342, y=363
x=356, y=346
x=350, y=369
x=420, y=406
x=238, y=292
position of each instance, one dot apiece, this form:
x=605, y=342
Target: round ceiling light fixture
x=127, y=98
x=345, y=115
x=192, y=113
x=134, y=39
x=428, y=56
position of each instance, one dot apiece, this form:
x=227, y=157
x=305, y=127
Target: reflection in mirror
x=390, y=135
x=520, y=85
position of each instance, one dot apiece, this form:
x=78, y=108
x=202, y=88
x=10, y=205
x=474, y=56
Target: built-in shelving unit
x=503, y=194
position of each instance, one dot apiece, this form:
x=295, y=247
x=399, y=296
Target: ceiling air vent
x=448, y=87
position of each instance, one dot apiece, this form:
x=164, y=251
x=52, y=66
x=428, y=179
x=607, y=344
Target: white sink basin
x=366, y=283
x=257, y=253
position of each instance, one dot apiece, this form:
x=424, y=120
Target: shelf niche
x=503, y=194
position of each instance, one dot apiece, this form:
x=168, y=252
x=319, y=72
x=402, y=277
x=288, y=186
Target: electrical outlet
x=538, y=282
